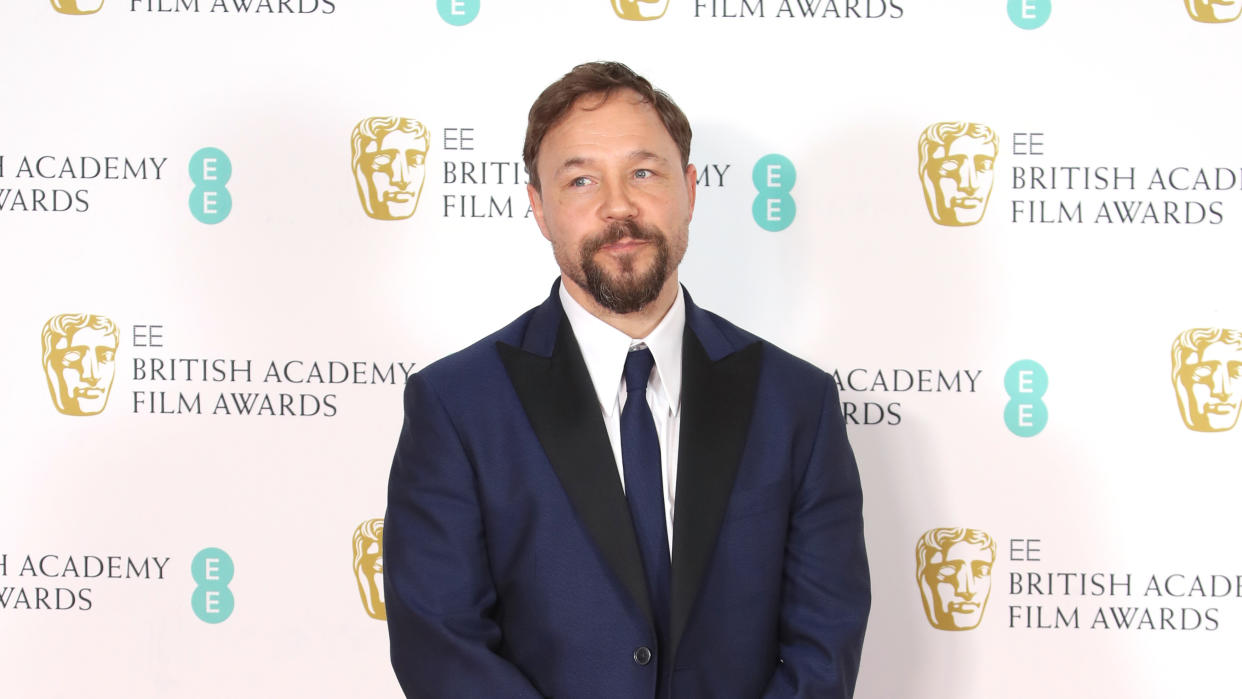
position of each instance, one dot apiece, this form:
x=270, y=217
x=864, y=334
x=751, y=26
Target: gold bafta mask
x=77, y=7
x=1214, y=11
x=389, y=158
x=1207, y=376
x=954, y=574
x=79, y=361
x=955, y=167
x=369, y=566
x=640, y=9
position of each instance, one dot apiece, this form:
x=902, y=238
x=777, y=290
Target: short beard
x=627, y=292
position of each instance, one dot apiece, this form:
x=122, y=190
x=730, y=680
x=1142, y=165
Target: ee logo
x=1029, y=14
x=458, y=12
x=1025, y=413
x=210, y=170
x=774, y=175
x=212, y=600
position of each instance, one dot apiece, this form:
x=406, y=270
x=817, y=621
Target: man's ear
x=692, y=176
x=536, y=206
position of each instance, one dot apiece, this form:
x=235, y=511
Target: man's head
x=79, y=361
x=955, y=167
x=954, y=574
x=1207, y=376
x=640, y=9
x=1214, y=11
x=610, y=183
x=369, y=566
x=388, y=158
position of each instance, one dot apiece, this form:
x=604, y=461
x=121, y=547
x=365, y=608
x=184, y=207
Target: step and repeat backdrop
x=231, y=229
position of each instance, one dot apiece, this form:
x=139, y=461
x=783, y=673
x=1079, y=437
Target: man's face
x=80, y=368
x=394, y=170
x=955, y=584
x=369, y=569
x=1210, y=387
x=640, y=9
x=1214, y=10
x=960, y=173
x=615, y=201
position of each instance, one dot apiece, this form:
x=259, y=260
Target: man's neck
x=638, y=324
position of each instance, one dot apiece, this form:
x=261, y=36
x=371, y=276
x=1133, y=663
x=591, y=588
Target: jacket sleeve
x=826, y=589
x=438, y=590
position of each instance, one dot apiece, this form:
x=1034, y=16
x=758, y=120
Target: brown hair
x=598, y=78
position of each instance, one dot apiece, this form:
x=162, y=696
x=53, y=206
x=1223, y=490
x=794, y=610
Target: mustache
x=621, y=230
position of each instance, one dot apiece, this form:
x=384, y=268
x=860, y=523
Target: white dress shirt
x=604, y=349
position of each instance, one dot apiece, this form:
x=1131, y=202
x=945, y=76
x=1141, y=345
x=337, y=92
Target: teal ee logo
x=1029, y=14
x=212, y=600
x=458, y=12
x=1025, y=413
x=210, y=170
x=774, y=175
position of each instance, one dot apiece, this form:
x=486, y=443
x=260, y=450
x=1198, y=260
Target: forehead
x=90, y=337
x=1218, y=351
x=399, y=140
x=597, y=122
x=960, y=551
x=970, y=146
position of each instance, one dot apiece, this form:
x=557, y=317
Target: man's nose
x=618, y=202
x=1222, y=384
x=400, y=173
x=90, y=369
x=970, y=177
x=965, y=584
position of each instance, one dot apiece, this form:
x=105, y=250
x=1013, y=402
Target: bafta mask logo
x=640, y=10
x=79, y=361
x=955, y=167
x=389, y=164
x=1207, y=376
x=77, y=7
x=954, y=573
x=369, y=566
x=1214, y=11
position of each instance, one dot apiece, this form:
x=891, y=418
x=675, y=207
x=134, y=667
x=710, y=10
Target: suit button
x=642, y=656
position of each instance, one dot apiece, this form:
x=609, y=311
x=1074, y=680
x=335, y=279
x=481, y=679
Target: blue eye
x=580, y=182
x=643, y=174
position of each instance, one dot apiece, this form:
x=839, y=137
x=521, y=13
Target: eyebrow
x=634, y=156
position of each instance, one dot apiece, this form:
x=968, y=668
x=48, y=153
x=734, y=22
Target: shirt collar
x=604, y=349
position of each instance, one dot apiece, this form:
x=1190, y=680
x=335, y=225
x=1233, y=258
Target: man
x=389, y=158
x=1214, y=11
x=954, y=574
x=79, y=361
x=955, y=167
x=691, y=530
x=1207, y=376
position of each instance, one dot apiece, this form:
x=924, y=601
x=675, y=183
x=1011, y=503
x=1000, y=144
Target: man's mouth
x=965, y=202
x=964, y=607
x=88, y=392
x=398, y=196
x=1219, y=408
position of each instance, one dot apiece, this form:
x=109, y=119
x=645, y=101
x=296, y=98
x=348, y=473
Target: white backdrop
x=861, y=280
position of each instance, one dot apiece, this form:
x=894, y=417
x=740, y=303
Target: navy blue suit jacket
x=510, y=563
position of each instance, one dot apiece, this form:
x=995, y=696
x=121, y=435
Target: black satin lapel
x=563, y=409
x=717, y=400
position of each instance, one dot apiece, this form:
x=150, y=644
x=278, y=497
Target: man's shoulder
x=478, y=361
x=774, y=358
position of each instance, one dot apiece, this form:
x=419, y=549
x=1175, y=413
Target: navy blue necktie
x=644, y=486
